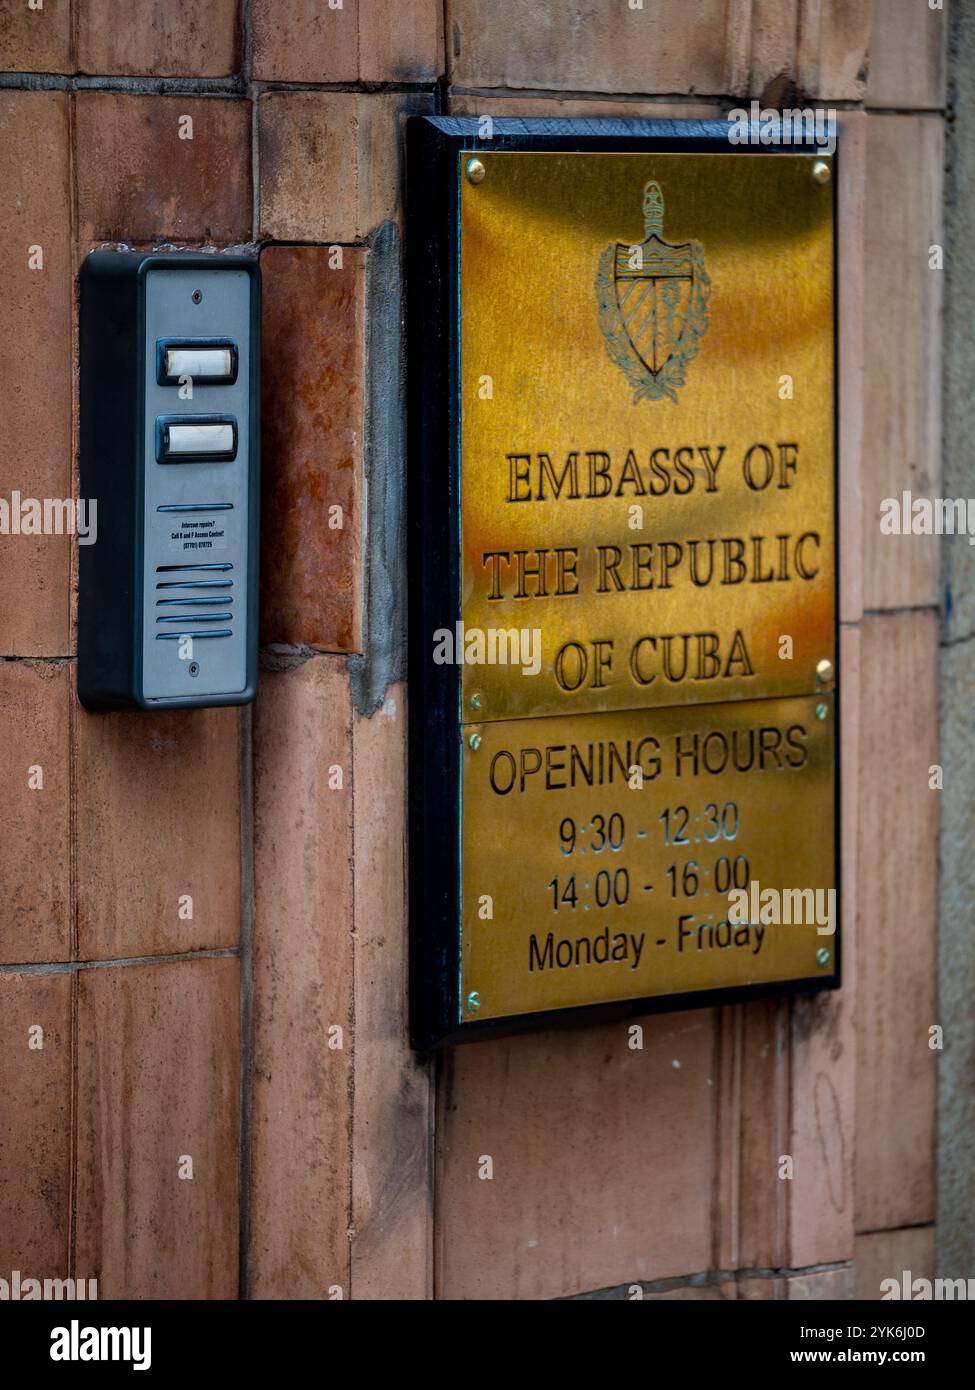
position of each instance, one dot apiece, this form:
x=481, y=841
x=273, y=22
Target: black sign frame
x=432, y=261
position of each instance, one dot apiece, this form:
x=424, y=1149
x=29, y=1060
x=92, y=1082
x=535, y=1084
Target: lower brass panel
x=586, y=883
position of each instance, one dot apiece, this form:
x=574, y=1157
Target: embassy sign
x=622, y=439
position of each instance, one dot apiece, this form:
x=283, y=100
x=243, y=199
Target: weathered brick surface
x=158, y=1083
x=833, y=48
x=405, y=47
x=827, y=1285
x=603, y=1159
x=311, y=414
x=35, y=40
x=331, y=162
x=756, y=48
x=762, y=49
x=667, y=46
x=898, y=859
x=887, y=1254
x=309, y=165
x=750, y=1214
x=301, y=1152
x=35, y=853
x=902, y=401
x=365, y=40
x=907, y=55
x=304, y=41
x=139, y=181
x=392, y=1177
x=822, y=1079
x=188, y=38
x=35, y=1134
x=35, y=364
x=767, y=47
x=158, y=824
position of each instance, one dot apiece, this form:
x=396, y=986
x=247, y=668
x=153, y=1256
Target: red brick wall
x=316, y=1153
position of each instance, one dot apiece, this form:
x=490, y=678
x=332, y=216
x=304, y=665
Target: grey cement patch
x=384, y=482
x=955, y=1232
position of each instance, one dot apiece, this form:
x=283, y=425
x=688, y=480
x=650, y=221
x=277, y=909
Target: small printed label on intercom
x=198, y=535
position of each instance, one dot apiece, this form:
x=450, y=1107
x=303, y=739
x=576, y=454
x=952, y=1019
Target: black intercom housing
x=177, y=532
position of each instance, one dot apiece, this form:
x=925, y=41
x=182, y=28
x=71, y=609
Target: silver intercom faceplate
x=195, y=616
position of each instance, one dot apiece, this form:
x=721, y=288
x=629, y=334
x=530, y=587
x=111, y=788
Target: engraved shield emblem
x=653, y=300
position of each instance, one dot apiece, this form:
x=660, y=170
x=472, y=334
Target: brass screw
x=473, y=1001
x=822, y=711
x=475, y=171
x=824, y=670
x=476, y=700
x=822, y=956
x=474, y=742
x=821, y=172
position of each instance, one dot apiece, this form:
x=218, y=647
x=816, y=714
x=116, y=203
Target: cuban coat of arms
x=653, y=305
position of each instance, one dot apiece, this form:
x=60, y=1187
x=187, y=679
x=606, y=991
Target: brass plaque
x=603, y=885
x=623, y=749
x=654, y=533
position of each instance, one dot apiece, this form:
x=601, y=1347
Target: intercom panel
x=170, y=354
